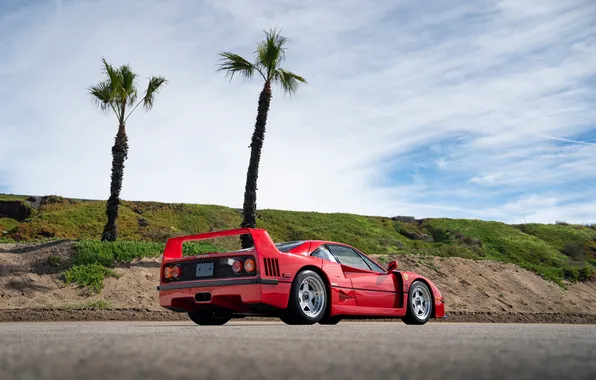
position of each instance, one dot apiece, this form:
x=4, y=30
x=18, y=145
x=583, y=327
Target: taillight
x=177, y=271
x=168, y=272
x=237, y=266
x=249, y=265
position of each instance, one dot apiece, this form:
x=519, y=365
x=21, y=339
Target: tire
x=420, y=304
x=329, y=320
x=308, y=299
x=286, y=319
x=209, y=318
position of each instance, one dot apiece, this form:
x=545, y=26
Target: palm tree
x=117, y=93
x=270, y=54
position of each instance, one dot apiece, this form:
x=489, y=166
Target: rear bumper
x=237, y=295
x=211, y=283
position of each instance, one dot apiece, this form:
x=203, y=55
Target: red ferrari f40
x=300, y=282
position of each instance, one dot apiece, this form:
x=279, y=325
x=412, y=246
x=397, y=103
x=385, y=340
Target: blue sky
x=483, y=109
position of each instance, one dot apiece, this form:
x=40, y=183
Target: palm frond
x=288, y=81
x=119, y=89
x=233, y=64
x=129, y=86
x=155, y=84
x=271, y=52
x=101, y=95
x=113, y=75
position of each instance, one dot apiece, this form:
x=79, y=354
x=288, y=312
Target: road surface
x=259, y=350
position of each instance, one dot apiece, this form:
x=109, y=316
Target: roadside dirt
x=38, y=314
x=32, y=288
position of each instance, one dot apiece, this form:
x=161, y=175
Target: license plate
x=204, y=270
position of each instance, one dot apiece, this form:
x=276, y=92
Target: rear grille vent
x=271, y=267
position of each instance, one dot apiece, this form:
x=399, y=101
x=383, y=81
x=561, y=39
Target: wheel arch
x=325, y=279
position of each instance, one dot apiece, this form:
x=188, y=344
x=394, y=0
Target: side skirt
x=367, y=312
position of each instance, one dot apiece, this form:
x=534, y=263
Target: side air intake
x=271, y=267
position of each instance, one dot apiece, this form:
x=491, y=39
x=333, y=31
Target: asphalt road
x=245, y=350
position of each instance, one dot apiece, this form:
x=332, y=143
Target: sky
x=443, y=108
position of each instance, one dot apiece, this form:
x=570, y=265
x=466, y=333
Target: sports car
x=300, y=282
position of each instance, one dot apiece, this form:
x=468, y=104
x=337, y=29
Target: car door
x=373, y=285
x=334, y=272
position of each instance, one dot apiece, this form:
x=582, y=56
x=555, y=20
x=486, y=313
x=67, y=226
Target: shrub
x=575, y=250
x=38, y=229
x=571, y=274
x=54, y=260
x=440, y=235
x=91, y=252
x=472, y=242
x=586, y=274
x=7, y=224
x=90, y=276
x=54, y=199
x=576, y=274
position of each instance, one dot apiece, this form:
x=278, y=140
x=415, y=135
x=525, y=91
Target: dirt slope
x=470, y=285
x=27, y=280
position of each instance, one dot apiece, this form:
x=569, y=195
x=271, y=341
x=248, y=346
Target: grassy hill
x=557, y=252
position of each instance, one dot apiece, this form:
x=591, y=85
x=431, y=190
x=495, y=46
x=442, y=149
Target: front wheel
x=209, y=318
x=308, y=299
x=333, y=320
x=420, y=304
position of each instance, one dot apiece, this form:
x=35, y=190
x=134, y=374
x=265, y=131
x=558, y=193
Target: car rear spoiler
x=260, y=238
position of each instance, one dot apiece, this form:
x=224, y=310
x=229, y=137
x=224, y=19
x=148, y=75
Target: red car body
x=353, y=292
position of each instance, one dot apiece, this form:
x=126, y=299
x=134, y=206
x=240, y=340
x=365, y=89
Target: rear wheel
x=308, y=299
x=420, y=304
x=209, y=318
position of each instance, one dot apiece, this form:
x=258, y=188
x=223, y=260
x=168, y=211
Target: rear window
x=283, y=247
x=288, y=245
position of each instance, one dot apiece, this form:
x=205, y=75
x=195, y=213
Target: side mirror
x=392, y=265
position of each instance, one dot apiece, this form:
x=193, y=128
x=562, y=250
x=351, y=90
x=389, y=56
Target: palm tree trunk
x=250, y=191
x=119, y=155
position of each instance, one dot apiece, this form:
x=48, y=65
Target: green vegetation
x=118, y=93
x=148, y=221
x=12, y=197
x=7, y=224
x=93, y=304
x=91, y=276
x=577, y=242
x=269, y=56
x=93, y=259
x=556, y=252
x=54, y=261
x=109, y=254
x=502, y=242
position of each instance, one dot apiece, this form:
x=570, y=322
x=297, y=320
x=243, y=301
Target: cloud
x=446, y=108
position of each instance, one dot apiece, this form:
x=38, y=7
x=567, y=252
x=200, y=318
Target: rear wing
x=261, y=239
